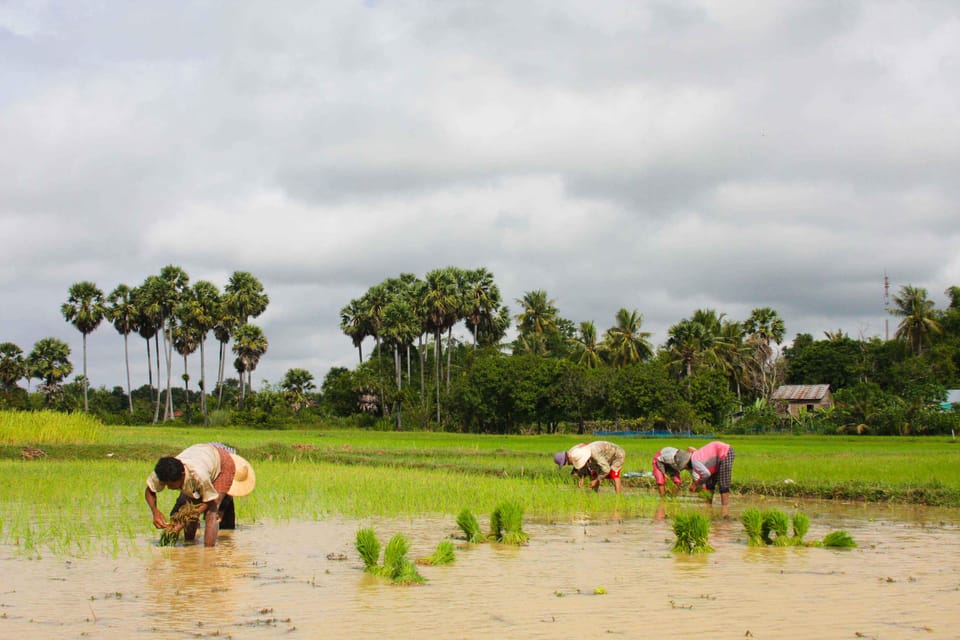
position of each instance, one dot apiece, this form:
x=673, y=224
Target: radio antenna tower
x=886, y=305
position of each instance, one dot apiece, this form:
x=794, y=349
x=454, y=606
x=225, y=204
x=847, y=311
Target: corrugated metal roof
x=801, y=392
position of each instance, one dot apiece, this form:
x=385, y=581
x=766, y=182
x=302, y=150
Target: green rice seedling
x=506, y=524
x=752, y=520
x=468, y=524
x=49, y=427
x=775, y=522
x=396, y=565
x=801, y=524
x=443, y=554
x=839, y=540
x=186, y=514
x=693, y=533
x=369, y=549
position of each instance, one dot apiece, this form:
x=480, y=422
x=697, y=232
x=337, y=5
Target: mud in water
x=290, y=580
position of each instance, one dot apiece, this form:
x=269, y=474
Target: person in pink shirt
x=712, y=468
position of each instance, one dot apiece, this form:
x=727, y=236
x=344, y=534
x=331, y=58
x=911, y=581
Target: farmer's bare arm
x=158, y=520
x=211, y=527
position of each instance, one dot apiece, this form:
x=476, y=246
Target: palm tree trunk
x=186, y=386
x=126, y=358
x=436, y=356
x=223, y=351
x=86, y=381
x=449, y=353
x=203, y=383
x=156, y=344
x=399, y=370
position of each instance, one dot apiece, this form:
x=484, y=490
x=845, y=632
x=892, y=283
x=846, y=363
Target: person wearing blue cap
x=601, y=459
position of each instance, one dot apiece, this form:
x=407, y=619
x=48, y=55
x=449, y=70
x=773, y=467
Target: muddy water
x=287, y=581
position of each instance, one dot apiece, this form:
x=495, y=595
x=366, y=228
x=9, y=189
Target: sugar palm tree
x=249, y=344
x=625, y=342
x=763, y=327
x=919, y=317
x=147, y=324
x=85, y=310
x=122, y=314
x=441, y=303
x=49, y=361
x=12, y=366
x=296, y=384
x=243, y=298
x=200, y=311
x=483, y=305
x=353, y=323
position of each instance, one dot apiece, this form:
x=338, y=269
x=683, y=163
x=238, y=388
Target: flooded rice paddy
x=305, y=580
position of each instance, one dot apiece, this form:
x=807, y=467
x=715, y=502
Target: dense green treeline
x=712, y=374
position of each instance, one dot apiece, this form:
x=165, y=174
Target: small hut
x=791, y=398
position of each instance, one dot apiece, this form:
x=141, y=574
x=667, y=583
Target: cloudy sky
x=660, y=156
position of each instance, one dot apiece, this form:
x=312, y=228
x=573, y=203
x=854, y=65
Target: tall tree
x=121, y=312
x=536, y=321
x=249, y=344
x=12, y=366
x=588, y=349
x=625, y=341
x=441, y=302
x=243, y=298
x=85, y=310
x=50, y=362
x=200, y=310
x=148, y=327
x=763, y=327
x=919, y=317
x=353, y=322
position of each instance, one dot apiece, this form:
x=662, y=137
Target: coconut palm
x=919, y=317
x=84, y=309
x=12, y=366
x=625, y=342
x=686, y=341
x=249, y=344
x=588, y=349
x=122, y=314
x=50, y=362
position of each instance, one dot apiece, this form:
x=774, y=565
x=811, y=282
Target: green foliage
x=839, y=539
x=47, y=427
x=506, y=524
x=396, y=565
x=468, y=524
x=692, y=530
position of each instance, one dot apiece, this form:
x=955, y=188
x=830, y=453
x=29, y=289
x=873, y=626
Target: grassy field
x=66, y=494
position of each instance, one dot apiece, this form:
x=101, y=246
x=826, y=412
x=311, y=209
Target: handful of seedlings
x=468, y=524
x=769, y=527
x=506, y=524
x=443, y=554
x=187, y=513
x=693, y=533
x=396, y=565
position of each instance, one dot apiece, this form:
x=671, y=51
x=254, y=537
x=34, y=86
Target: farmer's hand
x=694, y=488
x=159, y=521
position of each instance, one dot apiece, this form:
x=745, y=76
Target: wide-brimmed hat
x=560, y=458
x=244, y=479
x=681, y=459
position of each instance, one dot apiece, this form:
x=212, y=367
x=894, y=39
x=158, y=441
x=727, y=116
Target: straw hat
x=244, y=479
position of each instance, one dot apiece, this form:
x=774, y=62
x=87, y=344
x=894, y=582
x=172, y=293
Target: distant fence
x=653, y=433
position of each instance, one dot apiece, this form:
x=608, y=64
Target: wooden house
x=791, y=398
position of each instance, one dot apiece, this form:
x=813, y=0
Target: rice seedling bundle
x=775, y=522
x=369, y=549
x=752, y=520
x=443, y=554
x=839, y=539
x=693, y=533
x=189, y=512
x=397, y=566
x=506, y=524
x=468, y=524
x=801, y=524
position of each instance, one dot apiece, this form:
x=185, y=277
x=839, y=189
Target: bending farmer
x=205, y=474
x=712, y=467
x=601, y=459
x=669, y=461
